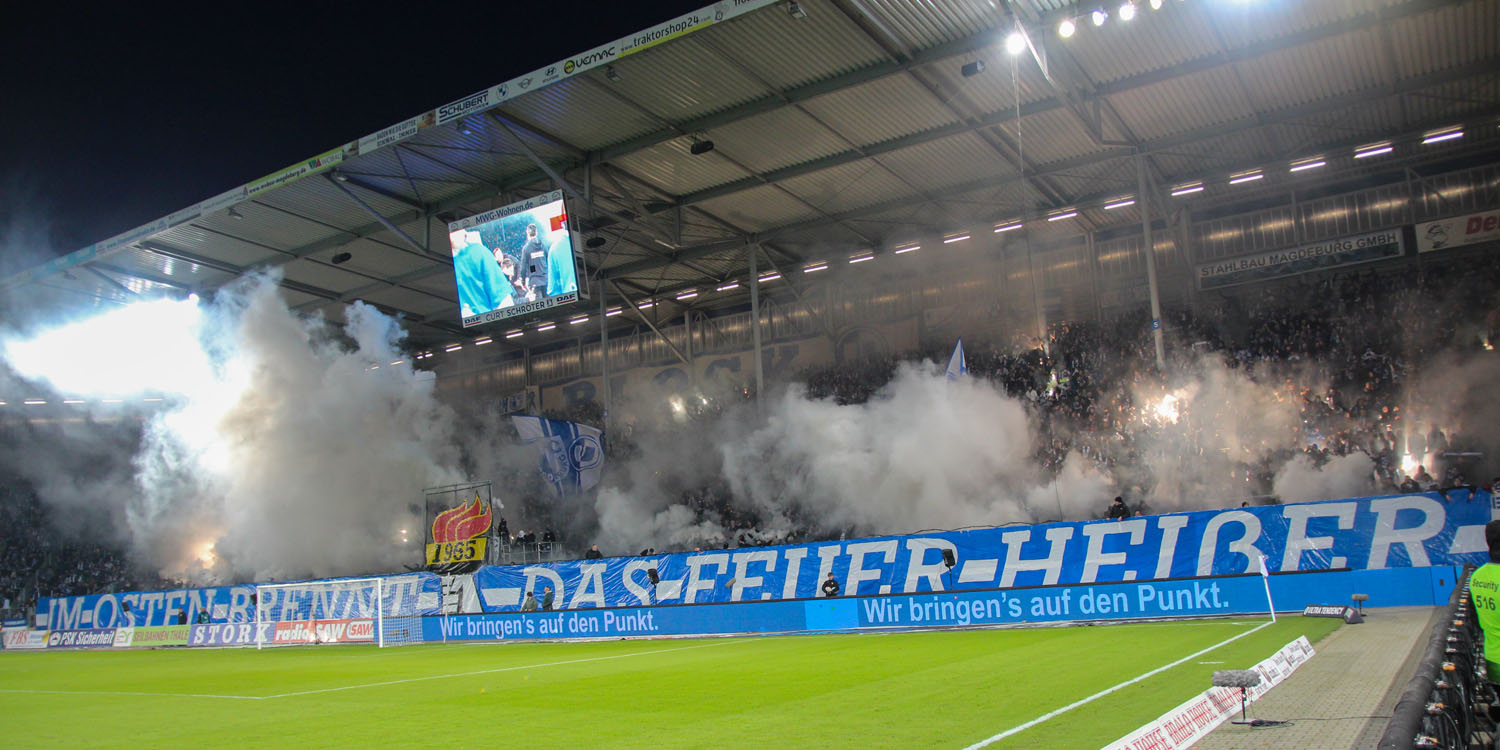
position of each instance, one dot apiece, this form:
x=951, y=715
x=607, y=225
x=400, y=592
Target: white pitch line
x=492, y=671
x=121, y=692
x=1107, y=691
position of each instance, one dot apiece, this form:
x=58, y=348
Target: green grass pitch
x=945, y=689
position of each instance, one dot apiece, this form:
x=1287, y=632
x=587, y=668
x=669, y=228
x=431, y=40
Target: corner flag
x=956, y=364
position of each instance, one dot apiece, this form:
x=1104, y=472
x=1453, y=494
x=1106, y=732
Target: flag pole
x=1265, y=577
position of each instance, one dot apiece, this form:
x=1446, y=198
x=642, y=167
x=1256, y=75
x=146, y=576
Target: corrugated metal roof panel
x=927, y=23
x=759, y=208
x=557, y=108
x=848, y=186
x=777, y=138
x=1243, y=24
x=323, y=276
x=950, y=161
x=1314, y=72
x=1153, y=41
x=1051, y=136
x=994, y=90
x=1210, y=97
x=670, y=168
x=156, y=264
x=683, y=80
x=1446, y=38
x=1454, y=101
x=900, y=104
x=320, y=203
x=825, y=44
x=197, y=238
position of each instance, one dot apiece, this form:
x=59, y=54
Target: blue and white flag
x=572, y=455
x=956, y=364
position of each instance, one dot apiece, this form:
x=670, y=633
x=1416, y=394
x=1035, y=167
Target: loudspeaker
x=652, y=576
x=948, y=558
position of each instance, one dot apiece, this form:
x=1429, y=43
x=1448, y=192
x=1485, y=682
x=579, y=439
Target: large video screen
x=515, y=260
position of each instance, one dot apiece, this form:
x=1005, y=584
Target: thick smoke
x=277, y=450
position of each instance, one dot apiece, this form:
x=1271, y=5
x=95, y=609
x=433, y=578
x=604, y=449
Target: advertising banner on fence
x=324, y=631
x=407, y=594
x=85, y=638
x=1385, y=532
x=1195, y=718
x=1458, y=231
x=1344, y=251
x=25, y=639
x=229, y=634
x=169, y=635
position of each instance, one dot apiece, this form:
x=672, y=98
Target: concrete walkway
x=1358, y=672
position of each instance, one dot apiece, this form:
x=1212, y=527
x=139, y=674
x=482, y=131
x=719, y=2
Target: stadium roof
x=837, y=127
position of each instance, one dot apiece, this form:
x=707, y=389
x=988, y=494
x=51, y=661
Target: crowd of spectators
x=1343, y=350
x=36, y=559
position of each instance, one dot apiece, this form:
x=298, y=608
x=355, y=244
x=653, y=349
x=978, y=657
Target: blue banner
x=83, y=638
x=409, y=594
x=1402, y=531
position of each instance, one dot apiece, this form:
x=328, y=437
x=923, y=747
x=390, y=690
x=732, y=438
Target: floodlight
x=1099, y=17
x=1066, y=28
x=1008, y=227
x=1015, y=44
x=1155, y=4
x=1068, y=214
x=1127, y=11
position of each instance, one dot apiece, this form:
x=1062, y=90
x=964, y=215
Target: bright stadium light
x=952, y=238
x=613, y=311
x=514, y=334
x=1015, y=44
x=1009, y=226
x=729, y=286
x=1127, y=11
x=1188, y=189
x=862, y=258
x=1066, y=28
x=1373, y=149
x=816, y=267
x=772, y=276
x=1119, y=203
x=907, y=249
x=546, y=326
x=1099, y=17
x=1155, y=4
x=1302, y=165
x=687, y=295
x=1068, y=214
x=1244, y=177
x=1446, y=134
x=578, y=321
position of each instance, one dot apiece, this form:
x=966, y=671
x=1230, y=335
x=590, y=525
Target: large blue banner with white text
x=1405, y=531
x=409, y=594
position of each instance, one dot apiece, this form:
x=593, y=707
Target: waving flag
x=572, y=455
x=956, y=364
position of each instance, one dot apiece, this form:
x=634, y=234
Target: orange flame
x=461, y=523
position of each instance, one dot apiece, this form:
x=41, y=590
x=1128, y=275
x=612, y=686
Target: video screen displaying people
x=514, y=260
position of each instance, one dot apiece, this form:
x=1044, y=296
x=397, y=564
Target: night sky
x=113, y=115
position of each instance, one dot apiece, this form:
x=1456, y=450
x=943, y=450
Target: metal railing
x=1446, y=703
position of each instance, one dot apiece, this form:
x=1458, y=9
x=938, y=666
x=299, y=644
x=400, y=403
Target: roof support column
x=604, y=358
x=760, y=373
x=1145, y=204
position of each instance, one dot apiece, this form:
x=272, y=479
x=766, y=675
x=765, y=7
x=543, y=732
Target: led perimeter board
x=517, y=259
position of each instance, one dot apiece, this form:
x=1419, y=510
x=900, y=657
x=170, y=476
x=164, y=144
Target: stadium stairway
x=1343, y=697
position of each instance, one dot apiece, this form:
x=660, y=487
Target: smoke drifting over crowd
x=276, y=450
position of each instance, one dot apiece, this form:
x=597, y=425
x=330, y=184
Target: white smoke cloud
x=1300, y=480
x=278, y=452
